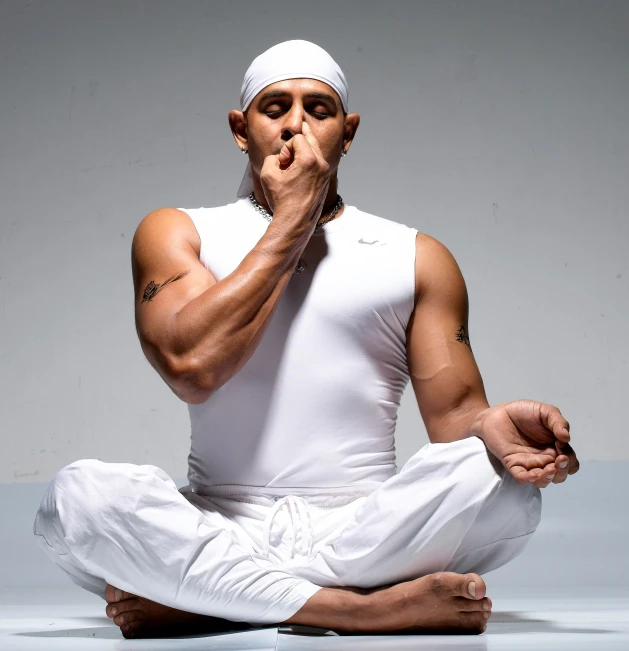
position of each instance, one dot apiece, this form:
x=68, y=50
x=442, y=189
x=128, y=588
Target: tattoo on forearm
x=152, y=288
x=461, y=335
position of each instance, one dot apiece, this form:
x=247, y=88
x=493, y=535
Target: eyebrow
x=283, y=93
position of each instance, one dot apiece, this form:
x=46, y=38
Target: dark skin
x=269, y=122
x=530, y=438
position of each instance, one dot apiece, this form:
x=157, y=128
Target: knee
x=513, y=496
x=61, y=498
x=78, y=495
x=476, y=470
x=519, y=504
x=74, y=485
x=528, y=501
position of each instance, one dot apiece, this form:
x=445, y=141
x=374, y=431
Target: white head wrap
x=289, y=60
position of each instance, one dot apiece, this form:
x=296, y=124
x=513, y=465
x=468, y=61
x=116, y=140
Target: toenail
x=114, y=611
x=485, y=606
x=122, y=619
x=486, y=615
x=118, y=594
x=472, y=588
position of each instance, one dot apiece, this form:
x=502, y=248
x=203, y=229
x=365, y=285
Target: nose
x=292, y=121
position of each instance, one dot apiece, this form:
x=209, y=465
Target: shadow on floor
x=518, y=623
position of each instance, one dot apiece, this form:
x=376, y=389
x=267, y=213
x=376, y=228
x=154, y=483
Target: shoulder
x=167, y=226
x=437, y=272
x=367, y=220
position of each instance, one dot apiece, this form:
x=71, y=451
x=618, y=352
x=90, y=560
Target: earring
x=343, y=153
x=243, y=150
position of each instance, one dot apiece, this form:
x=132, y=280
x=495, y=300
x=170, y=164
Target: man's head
x=289, y=83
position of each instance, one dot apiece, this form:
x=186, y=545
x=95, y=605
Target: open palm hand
x=531, y=439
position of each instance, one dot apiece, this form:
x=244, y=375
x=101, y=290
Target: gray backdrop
x=499, y=127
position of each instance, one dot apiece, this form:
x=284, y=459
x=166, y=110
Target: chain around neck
x=269, y=217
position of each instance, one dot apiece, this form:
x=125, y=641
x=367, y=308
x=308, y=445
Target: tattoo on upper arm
x=461, y=335
x=152, y=288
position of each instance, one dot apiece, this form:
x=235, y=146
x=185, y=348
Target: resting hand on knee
x=531, y=439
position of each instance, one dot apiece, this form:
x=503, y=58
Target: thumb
x=553, y=420
x=286, y=153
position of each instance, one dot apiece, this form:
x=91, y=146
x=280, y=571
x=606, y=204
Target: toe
x=471, y=586
x=109, y=594
x=113, y=594
x=466, y=605
x=123, y=606
x=128, y=630
x=128, y=617
x=474, y=622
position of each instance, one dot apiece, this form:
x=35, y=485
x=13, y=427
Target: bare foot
x=444, y=602
x=139, y=617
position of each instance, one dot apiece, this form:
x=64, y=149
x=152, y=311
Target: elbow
x=190, y=381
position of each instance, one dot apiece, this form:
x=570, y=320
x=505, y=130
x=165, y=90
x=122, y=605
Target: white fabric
x=300, y=522
x=452, y=507
x=295, y=59
x=315, y=406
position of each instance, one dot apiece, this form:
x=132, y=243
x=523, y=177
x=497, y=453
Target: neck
x=328, y=204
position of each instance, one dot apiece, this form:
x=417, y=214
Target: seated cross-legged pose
x=290, y=323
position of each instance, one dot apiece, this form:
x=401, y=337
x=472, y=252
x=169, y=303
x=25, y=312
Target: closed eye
x=317, y=114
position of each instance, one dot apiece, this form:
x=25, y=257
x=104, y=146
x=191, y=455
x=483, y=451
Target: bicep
x=445, y=378
x=167, y=274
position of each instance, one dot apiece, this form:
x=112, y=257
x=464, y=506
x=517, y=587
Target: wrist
x=477, y=424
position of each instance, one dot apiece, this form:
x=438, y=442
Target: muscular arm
x=197, y=332
x=445, y=378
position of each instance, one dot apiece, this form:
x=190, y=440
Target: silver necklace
x=301, y=265
x=264, y=212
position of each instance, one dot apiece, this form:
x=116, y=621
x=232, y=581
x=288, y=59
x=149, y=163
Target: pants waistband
x=324, y=496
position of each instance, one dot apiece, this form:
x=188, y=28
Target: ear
x=238, y=126
x=352, y=120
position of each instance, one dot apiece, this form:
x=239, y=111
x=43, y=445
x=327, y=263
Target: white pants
x=251, y=556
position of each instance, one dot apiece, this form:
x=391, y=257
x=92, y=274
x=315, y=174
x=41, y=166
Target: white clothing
x=289, y=60
x=295, y=59
x=292, y=482
x=252, y=557
x=315, y=406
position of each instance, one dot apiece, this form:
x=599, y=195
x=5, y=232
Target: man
x=290, y=324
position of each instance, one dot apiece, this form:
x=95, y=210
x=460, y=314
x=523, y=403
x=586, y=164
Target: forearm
x=459, y=424
x=218, y=331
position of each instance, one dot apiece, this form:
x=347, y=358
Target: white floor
x=569, y=619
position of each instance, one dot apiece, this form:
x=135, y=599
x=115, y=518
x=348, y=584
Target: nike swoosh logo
x=361, y=241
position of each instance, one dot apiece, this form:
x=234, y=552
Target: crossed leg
x=124, y=527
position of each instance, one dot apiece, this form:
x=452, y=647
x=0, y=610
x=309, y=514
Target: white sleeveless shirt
x=315, y=407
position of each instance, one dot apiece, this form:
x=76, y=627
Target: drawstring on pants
x=299, y=515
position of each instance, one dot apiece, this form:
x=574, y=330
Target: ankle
x=337, y=609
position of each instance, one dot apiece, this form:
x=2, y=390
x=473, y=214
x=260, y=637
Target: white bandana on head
x=289, y=60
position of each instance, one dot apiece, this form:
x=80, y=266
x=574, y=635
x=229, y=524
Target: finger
x=311, y=138
x=534, y=475
x=521, y=475
x=573, y=462
x=553, y=420
x=538, y=459
x=563, y=466
x=544, y=477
